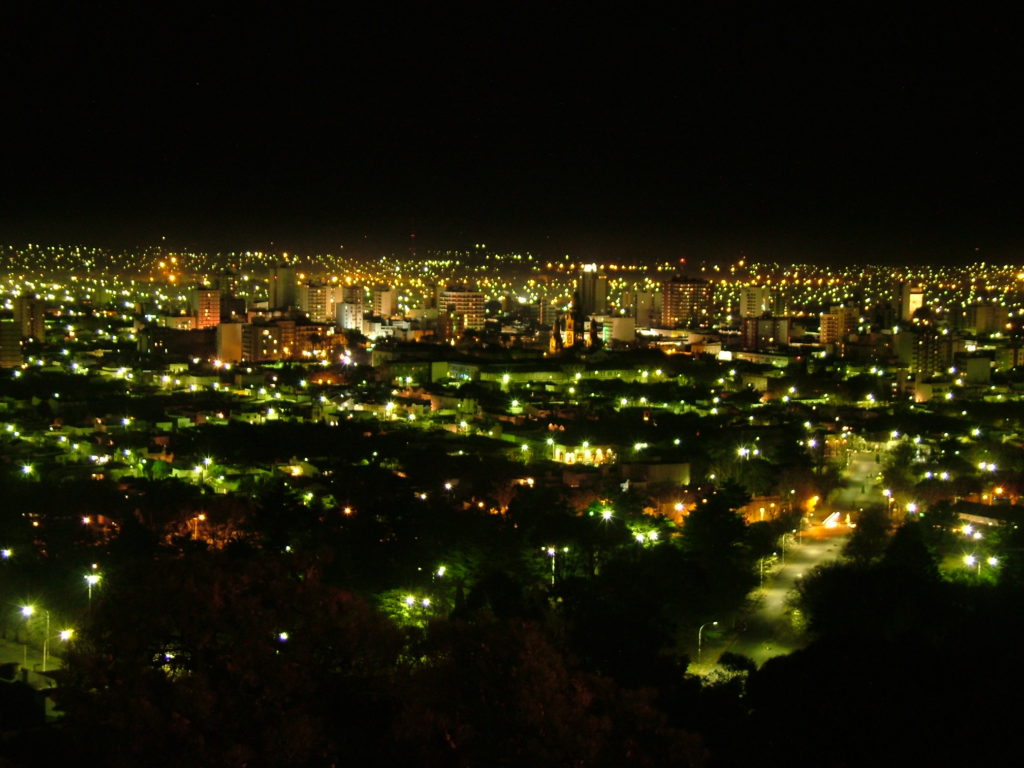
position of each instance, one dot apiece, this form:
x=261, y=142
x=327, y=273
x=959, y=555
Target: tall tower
x=385, y=301
x=461, y=300
x=911, y=300
x=28, y=316
x=754, y=301
x=685, y=300
x=10, y=344
x=282, y=287
x=593, y=290
x=205, y=305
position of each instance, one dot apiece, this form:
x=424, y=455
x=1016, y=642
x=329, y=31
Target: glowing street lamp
x=552, y=552
x=28, y=611
x=92, y=579
x=700, y=635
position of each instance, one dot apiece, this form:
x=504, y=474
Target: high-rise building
x=686, y=301
x=755, y=301
x=778, y=302
x=643, y=306
x=29, y=317
x=832, y=328
x=318, y=301
x=385, y=301
x=282, y=287
x=205, y=306
x=987, y=318
x=548, y=311
x=462, y=300
x=312, y=299
x=911, y=300
x=922, y=350
x=10, y=344
x=261, y=341
x=229, y=342
x=592, y=287
x=353, y=294
x=851, y=316
x=760, y=333
x=349, y=316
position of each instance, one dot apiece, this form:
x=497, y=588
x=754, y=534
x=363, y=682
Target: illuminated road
x=861, y=484
x=767, y=630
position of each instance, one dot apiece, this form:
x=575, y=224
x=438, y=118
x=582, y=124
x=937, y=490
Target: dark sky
x=708, y=132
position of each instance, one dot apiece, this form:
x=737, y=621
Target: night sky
x=708, y=133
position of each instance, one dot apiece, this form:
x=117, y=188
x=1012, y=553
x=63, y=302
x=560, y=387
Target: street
x=768, y=629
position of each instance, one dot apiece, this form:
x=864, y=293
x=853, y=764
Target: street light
x=972, y=560
x=553, y=553
x=92, y=579
x=28, y=611
x=46, y=640
x=700, y=634
x=195, y=525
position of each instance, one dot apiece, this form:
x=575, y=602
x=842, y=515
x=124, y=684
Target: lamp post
x=92, y=579
x=46, y=641
x=26, y=611
x=700, y=635
x=552, y=552
x=973, y=560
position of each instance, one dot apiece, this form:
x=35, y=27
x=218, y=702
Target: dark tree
x=870, y=537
